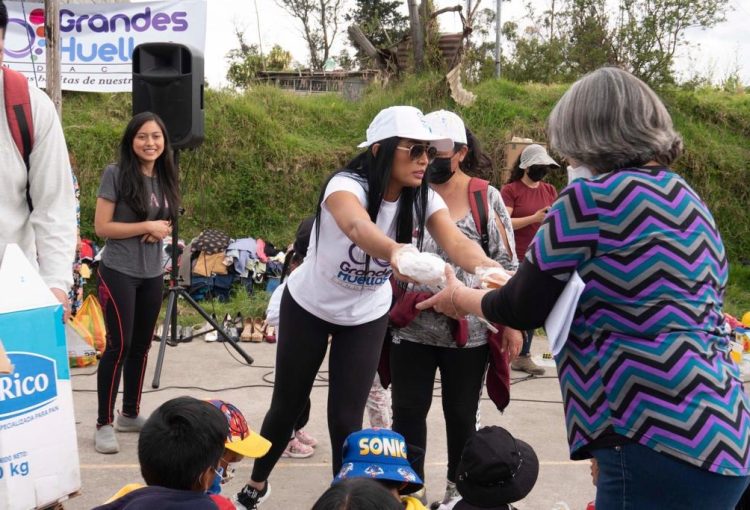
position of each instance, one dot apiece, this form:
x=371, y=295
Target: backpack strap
x=478, y=205
x=18, y=111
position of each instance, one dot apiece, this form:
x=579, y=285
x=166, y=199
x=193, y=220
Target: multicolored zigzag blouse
x=646, y=357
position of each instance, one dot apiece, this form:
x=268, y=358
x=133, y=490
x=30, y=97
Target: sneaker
x=526, y=364
x=305, y=438
x=297, y=450
x=450, y=497
x=105, y=440
x=250, y=499
x=127, y=424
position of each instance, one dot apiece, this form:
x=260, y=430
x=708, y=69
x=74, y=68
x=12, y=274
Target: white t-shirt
x=331, y=282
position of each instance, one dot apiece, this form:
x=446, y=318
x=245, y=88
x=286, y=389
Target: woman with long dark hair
x=137, y=202
x=366, y=215
x=427, y=344
x=528, y=198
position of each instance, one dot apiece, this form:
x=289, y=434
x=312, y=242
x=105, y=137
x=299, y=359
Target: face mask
x=440, y=171
x=579, y=172
x=216, y=484
x=537, y=173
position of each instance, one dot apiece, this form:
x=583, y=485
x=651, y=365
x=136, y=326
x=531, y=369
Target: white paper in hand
x=560, y=318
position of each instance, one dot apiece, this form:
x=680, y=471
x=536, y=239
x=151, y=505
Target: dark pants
x=413, y=368
x=636, y=477
x=355, y=352
x=527, y=336
x=130, y=307
x=302, y=420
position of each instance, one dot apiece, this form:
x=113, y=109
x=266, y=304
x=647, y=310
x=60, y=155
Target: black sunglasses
x=417, y=150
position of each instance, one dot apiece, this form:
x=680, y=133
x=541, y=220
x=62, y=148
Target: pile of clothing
x=217, y=262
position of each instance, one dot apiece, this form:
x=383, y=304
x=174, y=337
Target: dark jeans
x=130, y=307
x=413, y=368
x=355, y=352
x=636, y=477
x=527, y=336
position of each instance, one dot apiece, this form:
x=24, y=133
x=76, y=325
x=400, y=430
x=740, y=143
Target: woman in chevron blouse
x=647, y=382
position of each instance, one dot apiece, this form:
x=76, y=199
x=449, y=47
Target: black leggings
x=131, y=307
x=413, y=368
x=355, y=352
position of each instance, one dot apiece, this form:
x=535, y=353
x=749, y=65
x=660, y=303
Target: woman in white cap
x=528, y=198
x=428, y=343
x=366, y=214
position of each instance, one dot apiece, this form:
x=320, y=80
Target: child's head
x=357, y=494
x=495, y=469
x=240, y=442
x=181, y=444
x=381, y=455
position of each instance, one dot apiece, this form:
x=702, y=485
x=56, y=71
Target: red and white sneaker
x=296, y=450
x=305, y=438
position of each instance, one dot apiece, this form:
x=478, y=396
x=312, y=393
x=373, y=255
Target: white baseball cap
x=403, y=122
x=447, y=124
x=535, y=154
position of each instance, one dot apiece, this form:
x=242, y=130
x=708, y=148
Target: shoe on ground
x=250, y=499
x=305, y=438
x=296, y=450
x=211, y=334
x=187, y=335
x=127, y=424
x=526, y=364
x=105, y=440
x=450, y=497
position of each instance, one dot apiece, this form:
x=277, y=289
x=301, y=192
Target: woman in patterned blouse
x=648, y=386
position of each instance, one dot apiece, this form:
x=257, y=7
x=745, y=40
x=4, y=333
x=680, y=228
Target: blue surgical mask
x=216, y=485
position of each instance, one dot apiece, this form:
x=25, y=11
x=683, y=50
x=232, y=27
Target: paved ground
x=207, y=370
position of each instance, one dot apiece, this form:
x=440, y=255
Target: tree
x=246, y=61
x=278, y=59
x=320, y=25
x=641, y=36
x=380, y=20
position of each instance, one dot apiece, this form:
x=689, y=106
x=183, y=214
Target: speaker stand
x=173, y=293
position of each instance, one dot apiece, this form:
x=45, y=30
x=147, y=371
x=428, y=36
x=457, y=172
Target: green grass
x=267, y=152
x=737, y=300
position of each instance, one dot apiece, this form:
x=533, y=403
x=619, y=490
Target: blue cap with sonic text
x=380, y=454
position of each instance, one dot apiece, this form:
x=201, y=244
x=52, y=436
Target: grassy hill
x=267, y=151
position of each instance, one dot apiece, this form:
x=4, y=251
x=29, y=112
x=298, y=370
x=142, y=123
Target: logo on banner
x=119, y=50
x=32, y=384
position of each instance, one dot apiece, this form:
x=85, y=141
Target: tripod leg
x=218, y=328
x=170, y=319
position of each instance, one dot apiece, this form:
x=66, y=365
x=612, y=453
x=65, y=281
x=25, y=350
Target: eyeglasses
x=417, y=150
x=499, y=483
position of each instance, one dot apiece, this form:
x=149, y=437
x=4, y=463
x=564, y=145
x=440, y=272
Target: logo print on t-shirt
x=155, y=201
x=352, y=272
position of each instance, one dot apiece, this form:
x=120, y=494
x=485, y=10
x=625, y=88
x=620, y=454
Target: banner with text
x=97, y=41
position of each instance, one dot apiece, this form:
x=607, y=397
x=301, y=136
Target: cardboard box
x=38, y=447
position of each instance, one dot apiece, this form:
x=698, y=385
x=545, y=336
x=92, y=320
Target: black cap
x=495, y=469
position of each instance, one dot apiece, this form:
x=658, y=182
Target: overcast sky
x=716, y=51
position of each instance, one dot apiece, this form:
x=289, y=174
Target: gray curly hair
x=609, y=119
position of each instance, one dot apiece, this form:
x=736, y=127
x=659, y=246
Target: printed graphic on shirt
x=352, y=274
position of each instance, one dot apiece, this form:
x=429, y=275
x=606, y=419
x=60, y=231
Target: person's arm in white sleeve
x=274, y=306
x=51, y=187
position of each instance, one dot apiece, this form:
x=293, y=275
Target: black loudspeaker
x=168, y=81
